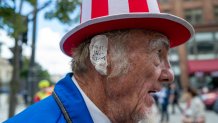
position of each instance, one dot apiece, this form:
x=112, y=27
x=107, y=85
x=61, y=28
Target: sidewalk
x=211, y=117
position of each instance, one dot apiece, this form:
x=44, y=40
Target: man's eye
x=159, y=52
x=157, y=57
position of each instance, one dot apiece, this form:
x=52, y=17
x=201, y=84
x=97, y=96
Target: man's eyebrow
x=159, y=43
x=166, y=44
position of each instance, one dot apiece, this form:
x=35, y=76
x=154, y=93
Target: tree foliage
x=12, y=21
x=41, y=72
x=62, y=10
x=15, y=23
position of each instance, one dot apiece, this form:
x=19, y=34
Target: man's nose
x=167, y=75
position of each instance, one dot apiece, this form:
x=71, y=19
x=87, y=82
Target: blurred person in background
x=157, y=103
x=174, y=98
x=120, y=58
x=215, y=106
x=45, y=91
x=195, y=109
x=24, y=94
x=164, y=98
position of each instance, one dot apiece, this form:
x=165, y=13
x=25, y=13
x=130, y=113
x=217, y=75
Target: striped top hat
x=100, y=16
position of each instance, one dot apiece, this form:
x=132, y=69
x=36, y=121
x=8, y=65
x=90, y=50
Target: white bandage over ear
x=98, y=53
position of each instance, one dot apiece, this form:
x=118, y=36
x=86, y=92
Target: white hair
x=117, y=49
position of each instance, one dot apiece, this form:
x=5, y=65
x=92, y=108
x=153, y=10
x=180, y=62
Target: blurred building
x=199, y=55
x=5, y=71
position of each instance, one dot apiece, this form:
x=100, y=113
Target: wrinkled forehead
x=146, y=38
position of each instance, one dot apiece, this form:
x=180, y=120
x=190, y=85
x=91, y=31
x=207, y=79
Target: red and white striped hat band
x=98, y=16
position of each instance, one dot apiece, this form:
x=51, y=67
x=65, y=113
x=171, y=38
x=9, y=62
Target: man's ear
x=109, y=57
x=98, y=53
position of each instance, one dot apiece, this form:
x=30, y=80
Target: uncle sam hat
x=99, y=16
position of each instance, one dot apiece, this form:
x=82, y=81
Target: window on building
x=216, y=36
x=204, y=36
x=216, y=13
x=191, y=47
x=203, y=45
x=205, y=42
x=216, y=44
x=194, y=16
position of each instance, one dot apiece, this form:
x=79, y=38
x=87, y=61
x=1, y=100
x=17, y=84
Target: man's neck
x=93, y=86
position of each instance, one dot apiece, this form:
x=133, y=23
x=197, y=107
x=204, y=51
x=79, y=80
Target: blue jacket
x=66, y=105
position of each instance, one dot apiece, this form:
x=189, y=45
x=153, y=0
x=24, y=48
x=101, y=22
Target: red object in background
x=209, y=99
x=36, y=99
x=206, y=66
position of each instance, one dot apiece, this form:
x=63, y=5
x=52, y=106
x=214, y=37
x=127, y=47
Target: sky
x=48, y=53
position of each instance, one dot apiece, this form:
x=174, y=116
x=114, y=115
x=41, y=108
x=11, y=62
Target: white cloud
x=7, y=42
x=48, y=53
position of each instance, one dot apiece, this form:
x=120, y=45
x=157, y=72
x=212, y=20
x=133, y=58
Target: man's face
x=148, y=68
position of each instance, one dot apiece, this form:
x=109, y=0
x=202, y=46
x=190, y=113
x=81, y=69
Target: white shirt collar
x=97, y=115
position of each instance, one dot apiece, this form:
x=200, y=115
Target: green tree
x=41, y=72
x=11, y=21
x=14, y=22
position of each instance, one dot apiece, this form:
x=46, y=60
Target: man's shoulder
x=46, y=110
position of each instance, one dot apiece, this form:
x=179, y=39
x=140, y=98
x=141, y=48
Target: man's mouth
x=152, y=92
x=150, y=97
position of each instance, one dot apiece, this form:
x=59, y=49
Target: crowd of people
x=170, y=95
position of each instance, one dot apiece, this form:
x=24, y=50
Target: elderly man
x=120, y=57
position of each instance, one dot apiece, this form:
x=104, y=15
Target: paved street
x=4, y=106
x=211, y=117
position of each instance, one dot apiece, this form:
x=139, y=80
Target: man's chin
x=149, y=116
